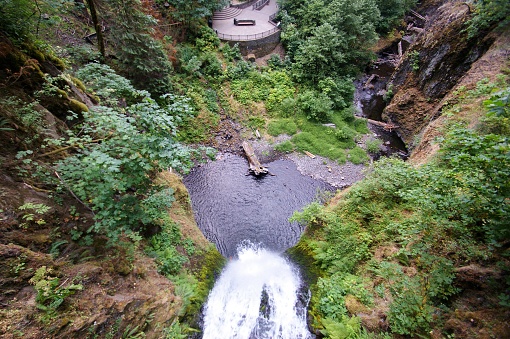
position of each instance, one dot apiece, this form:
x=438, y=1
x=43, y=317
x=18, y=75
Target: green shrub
x=316, y=106
x=340, y=91
x=488, y=14
x=239, y=70
x=206, y=40
x=107, y=85
x=414, y=60
x=287, y=108
x=282, y=126
x=285, y=147
x=497, y=120
x=24, y=113
x=255, y=122
x=117, y=153
x=373, y=145
x=357, y=156
x=360, y=125
x=162, y=247
x=344, y=133
x=231, y=53
x=275, y=62
x=210, y=65
x=272, y=87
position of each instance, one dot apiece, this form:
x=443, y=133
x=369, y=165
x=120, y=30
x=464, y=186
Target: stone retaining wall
x=260, y=47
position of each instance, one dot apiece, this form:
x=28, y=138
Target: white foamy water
x=235, y=309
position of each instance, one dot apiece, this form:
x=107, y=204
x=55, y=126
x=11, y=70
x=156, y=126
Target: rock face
x=432, y=66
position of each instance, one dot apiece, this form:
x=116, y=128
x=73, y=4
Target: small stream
x=369, y=100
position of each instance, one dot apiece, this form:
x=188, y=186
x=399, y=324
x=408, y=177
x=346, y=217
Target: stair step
x=227, y=13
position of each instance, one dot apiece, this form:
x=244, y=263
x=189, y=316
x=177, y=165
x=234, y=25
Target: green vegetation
x=34, y=213
x=427, y=220
x=50, y=292
x=162, y=247
x=118, y=152
x=373, y=145
x=160, y=78
x=282, y=126
x=488, y=14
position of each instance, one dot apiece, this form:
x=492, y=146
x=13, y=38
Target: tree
x=189, y=10
x=141, y=57
x=320, y=55
x=391, y=12
x=97, y=27
x=330, y=39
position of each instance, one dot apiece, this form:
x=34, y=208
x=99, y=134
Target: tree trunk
x=255, y=167
x=97, y=27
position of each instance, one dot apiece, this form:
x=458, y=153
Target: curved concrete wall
x=259, y=47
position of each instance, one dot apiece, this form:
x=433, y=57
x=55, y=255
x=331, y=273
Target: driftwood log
x=386, y=126
x=255, y=167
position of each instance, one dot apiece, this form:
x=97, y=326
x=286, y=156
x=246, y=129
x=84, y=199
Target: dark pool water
x=231, y=206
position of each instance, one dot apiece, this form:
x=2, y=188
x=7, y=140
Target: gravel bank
x=339, y=176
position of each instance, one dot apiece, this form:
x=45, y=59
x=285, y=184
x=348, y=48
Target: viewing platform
x=224, y=26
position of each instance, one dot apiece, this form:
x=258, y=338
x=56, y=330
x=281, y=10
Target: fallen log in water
x=386, y=126
x=255, y=167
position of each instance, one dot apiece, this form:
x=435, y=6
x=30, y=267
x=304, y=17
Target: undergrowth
x=426, y=220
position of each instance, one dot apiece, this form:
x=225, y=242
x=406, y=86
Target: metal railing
x=244, y=4
x=260, y=4
x=247, y=37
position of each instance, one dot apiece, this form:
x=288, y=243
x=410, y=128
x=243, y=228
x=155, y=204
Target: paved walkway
x=260, y=16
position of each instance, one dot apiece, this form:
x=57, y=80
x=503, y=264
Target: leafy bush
x=162, y=247
x=272, y=87
x=497, y=120
x=24, y=113
x=231, y=53
x=316, y=106
x=287, y=108
x=339, y=90
x=282, y=126
x=347, y=327
x=357, y=156
x=373, y=145
x=118, y=151
x=275, y=62
x=206, y=40
x=392, y=12
x=487, y=15
x=285, y=147
x=239, y=70
x=344, y=133
x=107, y=85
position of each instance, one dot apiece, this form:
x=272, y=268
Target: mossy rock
x=34, y=52
x=78, y=106
x=62, y=93
x=302, y=255
x=79, y=84
x=212, y=263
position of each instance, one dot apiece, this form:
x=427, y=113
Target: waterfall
x=256, y=296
